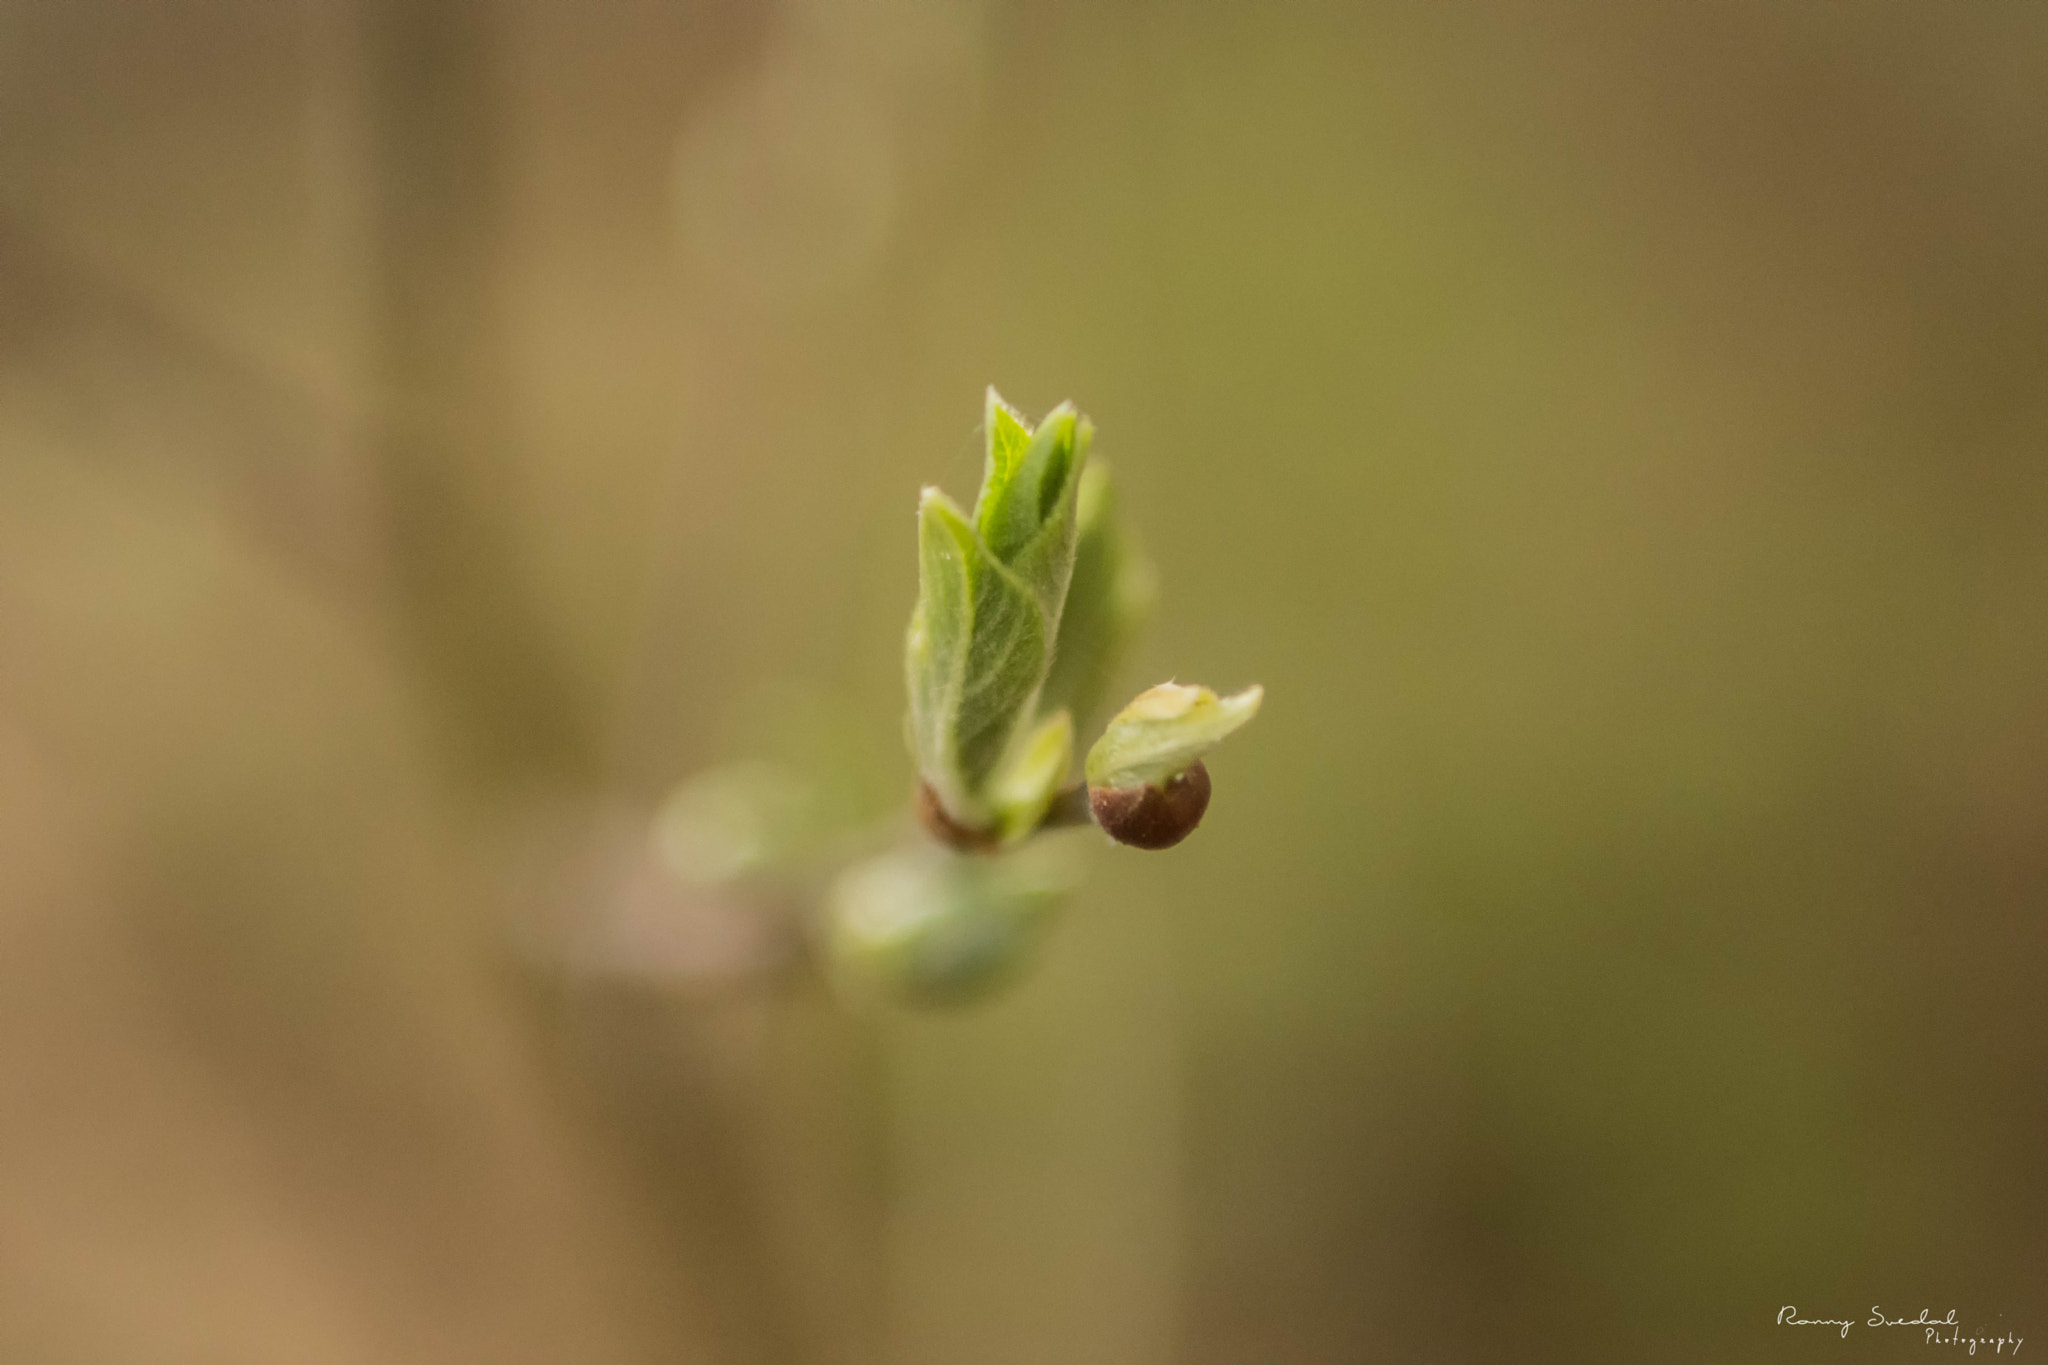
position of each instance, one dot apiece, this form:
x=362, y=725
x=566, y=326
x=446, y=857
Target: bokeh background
x=1616, y=435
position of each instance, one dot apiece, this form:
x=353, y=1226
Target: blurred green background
x=1615, y=434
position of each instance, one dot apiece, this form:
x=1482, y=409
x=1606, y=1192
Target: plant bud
x=919, y=926
x=931, y=813
x=1152, y=817
x=1146, y=783
x=992, y=587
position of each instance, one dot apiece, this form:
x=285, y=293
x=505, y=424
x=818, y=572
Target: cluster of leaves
x=1025, y=607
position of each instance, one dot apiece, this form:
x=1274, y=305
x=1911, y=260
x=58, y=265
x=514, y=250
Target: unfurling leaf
x=1164, y=731
x=975, y=659
x=990, y=594
x=1108, y=599
x=1033, y=776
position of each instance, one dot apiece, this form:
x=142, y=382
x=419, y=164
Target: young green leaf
x=1033, y=776
x=1108, y=599
x=991, y=592
x=941, y=625
x=976, y=654
x=1163, y=732
x=1018, y=487
x=1008, y=437
x=1026, y=511
x=1045, y=561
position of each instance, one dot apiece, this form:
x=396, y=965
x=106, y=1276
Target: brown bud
x=931, y=813
x=1153, y=817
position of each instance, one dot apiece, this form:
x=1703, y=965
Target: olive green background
x=1616, y=435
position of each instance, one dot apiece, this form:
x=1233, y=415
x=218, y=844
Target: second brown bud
x=1153, y=817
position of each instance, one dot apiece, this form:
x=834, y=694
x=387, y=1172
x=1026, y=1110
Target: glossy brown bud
x=931, y=813
x=1153, y=817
